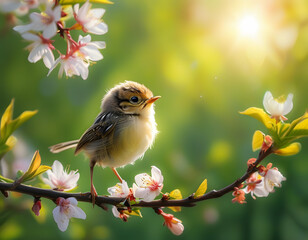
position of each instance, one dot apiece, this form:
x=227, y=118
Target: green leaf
x=10, y=143
x=9, y=125
x=4, y=179
x=7, y=115
x=292, y=149
x=257, y=140
x=72, y=2
x=261, y=116
x=175, y=195
x=201, y=189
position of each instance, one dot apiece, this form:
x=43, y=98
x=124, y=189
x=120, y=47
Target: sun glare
x=248, y=26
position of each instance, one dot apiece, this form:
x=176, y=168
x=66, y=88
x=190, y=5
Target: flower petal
x=288, y=104
x=60, y=218
x=156, y=175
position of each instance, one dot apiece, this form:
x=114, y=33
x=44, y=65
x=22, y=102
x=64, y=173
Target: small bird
x=121, y=133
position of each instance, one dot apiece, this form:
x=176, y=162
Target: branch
x=102, y=200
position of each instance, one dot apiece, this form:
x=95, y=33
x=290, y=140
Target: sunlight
x=248, y=26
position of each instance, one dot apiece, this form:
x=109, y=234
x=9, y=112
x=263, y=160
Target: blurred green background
x=208, y=59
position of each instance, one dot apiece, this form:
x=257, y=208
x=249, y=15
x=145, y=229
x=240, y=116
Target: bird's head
x=129, y=98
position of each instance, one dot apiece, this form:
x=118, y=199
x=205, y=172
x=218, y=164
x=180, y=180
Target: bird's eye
x=134, y=99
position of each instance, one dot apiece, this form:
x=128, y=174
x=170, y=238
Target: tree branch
x=102, y=200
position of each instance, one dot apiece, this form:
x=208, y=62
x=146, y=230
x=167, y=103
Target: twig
x=101, y=200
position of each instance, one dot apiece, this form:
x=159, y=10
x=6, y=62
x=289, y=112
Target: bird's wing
x=102, y=129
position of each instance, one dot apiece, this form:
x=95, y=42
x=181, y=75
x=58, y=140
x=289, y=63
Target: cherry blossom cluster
x=262, y=182
x=146, y=189
x=47, y=19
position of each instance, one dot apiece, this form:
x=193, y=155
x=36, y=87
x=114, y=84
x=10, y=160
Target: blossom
x=273, y=178
x=90, y=50
x=149, y=187
x=59, y=179
x=175, y=225
x=239, y=196
x=46, y=22
x=118, y=214
x=90, y=19
x=41, y=48
x=37, y=205
x=255, y=186
x=71, y=65
x=276, y=107
x=119, y=190
x=66, y=209
x=9, y=5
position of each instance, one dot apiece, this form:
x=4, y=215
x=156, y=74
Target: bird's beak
x=152, y=100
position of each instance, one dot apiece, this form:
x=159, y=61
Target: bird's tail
x=63, y=146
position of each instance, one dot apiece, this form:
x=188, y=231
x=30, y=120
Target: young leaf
x=261, y=116
x=292, y=149
x=4, y=179
x=34, y=169
x=10, y=143
x=175, y=194
x=201, y=189
x=134, y=212
x=257, y=140
x=7, y=115
x=9, y=125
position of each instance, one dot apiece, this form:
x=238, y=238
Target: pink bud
x=37, y=207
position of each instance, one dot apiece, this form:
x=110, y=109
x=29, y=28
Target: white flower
x=273, y=178
x=9, y=5
x=255, y=185
x=115, y=212
x=39, y=49
x=149, y=187
x=59, y=179
x=46, y=22
x=90, y=50
x=66, y=209
x=90, y=19
x=71, y=65
x=276, y=108
x=119, y=190
x=175, y=225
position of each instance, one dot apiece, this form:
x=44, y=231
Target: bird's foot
x=93, y=194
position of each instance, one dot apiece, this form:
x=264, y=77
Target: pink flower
x=41, y=48
x=239, y=196
x=147, y=187
x=175, y=225
x=59, y=179
x=90, y=19
x=46, y=22
x=67, y=209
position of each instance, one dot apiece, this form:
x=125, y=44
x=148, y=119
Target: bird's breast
x=131, y=141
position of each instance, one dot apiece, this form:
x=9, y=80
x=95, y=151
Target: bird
x=121, y=133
